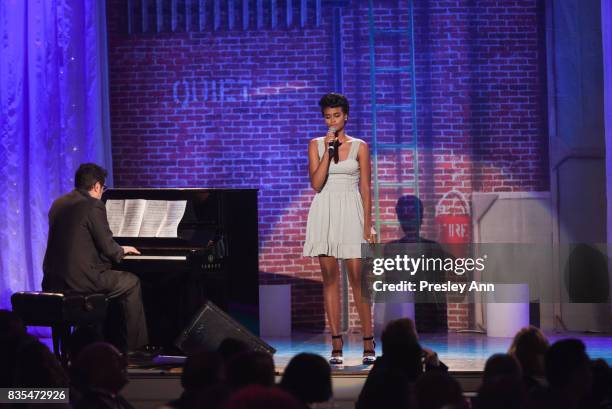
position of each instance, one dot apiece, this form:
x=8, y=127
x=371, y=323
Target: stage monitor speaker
x=211, y=326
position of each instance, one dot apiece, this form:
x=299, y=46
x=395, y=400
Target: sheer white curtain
x=53, y=116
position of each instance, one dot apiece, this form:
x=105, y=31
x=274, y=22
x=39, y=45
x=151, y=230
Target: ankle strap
x=336, y=336
x=368, y=338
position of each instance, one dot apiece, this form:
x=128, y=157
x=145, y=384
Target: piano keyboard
x=163, y=258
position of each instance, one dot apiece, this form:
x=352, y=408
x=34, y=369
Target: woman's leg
x=363, y=306
x=331, y=295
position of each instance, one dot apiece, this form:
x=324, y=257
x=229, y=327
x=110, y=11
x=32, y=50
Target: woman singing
x=339, y=220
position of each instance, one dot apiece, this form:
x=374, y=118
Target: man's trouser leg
x=125, y=288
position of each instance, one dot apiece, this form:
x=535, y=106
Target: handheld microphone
x=332, y=145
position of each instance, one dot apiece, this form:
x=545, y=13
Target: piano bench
x=61, y=312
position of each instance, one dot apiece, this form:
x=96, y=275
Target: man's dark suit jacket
x=80, y=245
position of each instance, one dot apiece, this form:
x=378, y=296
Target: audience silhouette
x=502, y=386
x=406, y=375
x=203, y=382
x=99, y=373
x=313, y=368
x=390, y=383
x=569, y=375
x=529, y=347
x=250, y=368
x=437, y=389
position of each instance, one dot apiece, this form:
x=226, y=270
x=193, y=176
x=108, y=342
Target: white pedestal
x=275, y=310
x=505, y=319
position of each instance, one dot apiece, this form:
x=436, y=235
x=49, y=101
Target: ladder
x=379, y=149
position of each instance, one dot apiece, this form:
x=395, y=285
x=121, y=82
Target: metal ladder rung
x=393, y=69
x=397, y=184
x=392, y=31
x=390, y=222
x=394, y=107
x=407, y=146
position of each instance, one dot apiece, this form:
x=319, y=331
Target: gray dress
x=335, y=220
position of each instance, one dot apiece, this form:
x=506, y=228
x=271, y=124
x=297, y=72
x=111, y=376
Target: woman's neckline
x=348, y=139
x=342, y=161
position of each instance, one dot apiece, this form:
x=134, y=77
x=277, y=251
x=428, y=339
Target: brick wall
x=237, y=108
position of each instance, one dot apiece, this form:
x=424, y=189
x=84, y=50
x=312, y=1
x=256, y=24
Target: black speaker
x=211, y=326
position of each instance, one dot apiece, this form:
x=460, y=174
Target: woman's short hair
x=333, y=100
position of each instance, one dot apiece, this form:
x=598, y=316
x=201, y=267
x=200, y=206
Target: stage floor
x=462, y=352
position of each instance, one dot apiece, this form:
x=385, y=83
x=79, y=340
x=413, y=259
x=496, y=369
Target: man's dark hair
x=251, y=367
x=88, y=174
x=501, y=366
x=563, y=359
x=333, y=100
x=230, y=347
x=308, y=378
x=397, y=335
x=401, y=348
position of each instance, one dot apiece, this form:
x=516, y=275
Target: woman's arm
x=317, y=168
x=363, y=156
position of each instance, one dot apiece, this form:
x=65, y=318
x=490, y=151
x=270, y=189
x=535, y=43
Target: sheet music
x=133, y=212
x=114, y=214
x=145, y=218
x=154, y=214
x=174, y=215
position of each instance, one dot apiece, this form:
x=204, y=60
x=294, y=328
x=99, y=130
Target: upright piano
x=196, y=245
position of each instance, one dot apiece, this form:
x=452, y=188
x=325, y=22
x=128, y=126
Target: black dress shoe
x=146, y=351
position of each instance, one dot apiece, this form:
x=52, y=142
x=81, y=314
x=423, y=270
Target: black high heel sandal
x=369, y=355
x=336, y=357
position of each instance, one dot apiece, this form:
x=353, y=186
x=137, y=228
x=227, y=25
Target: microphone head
x=332, y=129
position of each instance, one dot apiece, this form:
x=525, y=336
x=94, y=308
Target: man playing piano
x=81, y=251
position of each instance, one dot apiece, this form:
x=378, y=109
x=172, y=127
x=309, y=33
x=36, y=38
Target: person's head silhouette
x=409, y=210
